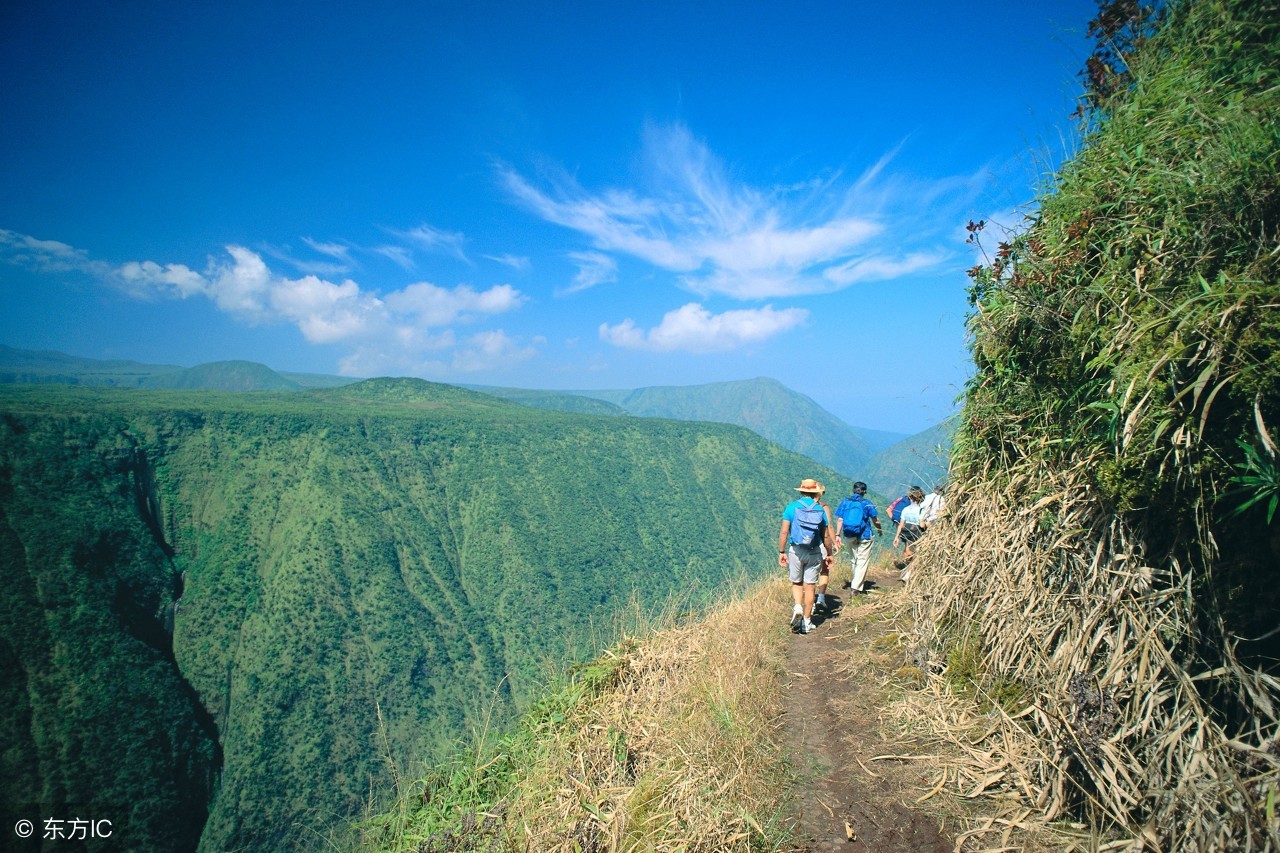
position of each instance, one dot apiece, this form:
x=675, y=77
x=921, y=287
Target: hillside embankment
x=1097, y=620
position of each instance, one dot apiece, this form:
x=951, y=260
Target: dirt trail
x=849, y=802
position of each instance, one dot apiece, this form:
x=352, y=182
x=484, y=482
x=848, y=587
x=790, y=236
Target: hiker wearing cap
x=804, y=534
x=858, y=521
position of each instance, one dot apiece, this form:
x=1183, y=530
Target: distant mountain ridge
x=763, y=405
x=918, y=460
x=885, y=460
x=223, y=376
x=41, y=367
x=48, y=367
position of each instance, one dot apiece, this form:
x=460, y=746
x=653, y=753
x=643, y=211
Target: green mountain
x=767, y=408
x=19, y=366
x=764, y=406
x=560, y=401
x=49, y=367
x=223, y=376
x=920, y=460
x=318, y=380
x=260, y=607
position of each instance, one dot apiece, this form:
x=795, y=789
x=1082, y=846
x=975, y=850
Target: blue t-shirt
x=789, y=515
x=868, y=512
x=912, y=514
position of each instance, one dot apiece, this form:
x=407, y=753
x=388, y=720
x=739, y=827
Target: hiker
x=858, y=521
x=910, y=528
x=801, y=540
x=934, y=506
x=895, y=518
x=824, y=573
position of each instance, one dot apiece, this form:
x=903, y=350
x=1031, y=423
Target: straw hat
x=810, y=486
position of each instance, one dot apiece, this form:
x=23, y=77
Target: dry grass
x=1105, y=720
x=674, y=749
x=1091, y=616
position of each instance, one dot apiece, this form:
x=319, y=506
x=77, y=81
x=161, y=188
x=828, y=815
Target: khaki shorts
x=803, y=563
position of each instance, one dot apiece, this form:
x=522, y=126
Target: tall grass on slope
x=665, y=742
x=1109, y=564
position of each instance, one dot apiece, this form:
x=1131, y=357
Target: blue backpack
x=855, y=517
x=806, y=524
x=896, y=508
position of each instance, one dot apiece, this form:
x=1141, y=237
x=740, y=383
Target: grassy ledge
x=667, y=741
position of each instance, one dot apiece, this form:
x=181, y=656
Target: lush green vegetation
x=224, y=376
x=920, y=460
x=1112, y=550
x=887, y=461
x=363, y=574
x=766, y=407
x=95, y=712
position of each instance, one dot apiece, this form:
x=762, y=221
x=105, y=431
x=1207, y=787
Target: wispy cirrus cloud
x=335, y=258
x=722, y=236
x=384, y=331
x=435, y=240
x=879, y=268
x=47, y=255
x=593, y=268
x=519, y=263
x=692, y=328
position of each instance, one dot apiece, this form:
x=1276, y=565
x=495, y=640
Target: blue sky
x=608, y=195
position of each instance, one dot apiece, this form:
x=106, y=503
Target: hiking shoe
x=796, y=621
x=806, y=627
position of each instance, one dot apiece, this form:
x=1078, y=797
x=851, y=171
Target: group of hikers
x=810, y=539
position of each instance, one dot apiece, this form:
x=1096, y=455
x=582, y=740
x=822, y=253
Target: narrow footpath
x=852, y=798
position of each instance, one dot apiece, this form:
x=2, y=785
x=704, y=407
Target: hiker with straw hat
x=804, y=534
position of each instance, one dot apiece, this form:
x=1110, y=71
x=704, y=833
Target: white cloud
x=391, y=332
x=337, y=251
x=722, y=236
x=399, y=255
x=692, y=328
x=490, y=350
x=881, y=269
x=519, y=263
x=431, y=305
x=593, y=268
x=326, y=312
x=46, y=255
x=146, y=277
x=435, y=240
x=243, y=287
x=337, y=259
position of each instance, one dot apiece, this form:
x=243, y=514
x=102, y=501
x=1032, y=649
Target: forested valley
x=231, y=616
